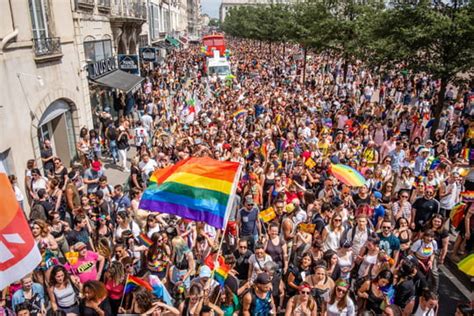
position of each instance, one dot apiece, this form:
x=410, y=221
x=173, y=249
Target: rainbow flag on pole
x=221, y=274
x=134, y=282
x=200, y=189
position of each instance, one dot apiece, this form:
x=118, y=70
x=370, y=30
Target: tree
x=310, y=25
x=434, y=37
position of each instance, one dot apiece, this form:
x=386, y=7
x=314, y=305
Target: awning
x=120, y=80
x=162, y=44
x=173, y=41
x=55, y=109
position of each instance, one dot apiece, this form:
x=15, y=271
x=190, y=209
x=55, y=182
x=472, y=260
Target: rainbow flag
x=143, y=238
x=239, y=113
x=221, y=274
x=467, y=196
x=199, y=189
x=134, y=282
x=347, y=175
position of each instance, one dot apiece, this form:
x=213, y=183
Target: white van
x=218, y=66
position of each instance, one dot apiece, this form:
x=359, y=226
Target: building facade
x=40, y=71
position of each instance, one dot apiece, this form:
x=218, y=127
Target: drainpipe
x=11, y=35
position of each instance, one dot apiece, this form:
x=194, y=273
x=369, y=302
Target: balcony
x=47, y=48
x=129, y=9
x=104, y=6
x=85, y=4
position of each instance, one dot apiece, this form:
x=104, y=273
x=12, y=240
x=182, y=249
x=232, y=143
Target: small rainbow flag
x=221, y=274
x=239, y=113
x=143, y=238
x=134, y=282
x=199, y=189
x=467, y=196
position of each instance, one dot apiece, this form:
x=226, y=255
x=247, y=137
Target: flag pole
x=123, y=292
x=226, y=219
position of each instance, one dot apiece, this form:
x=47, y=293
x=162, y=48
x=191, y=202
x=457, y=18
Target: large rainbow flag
x=200, y=189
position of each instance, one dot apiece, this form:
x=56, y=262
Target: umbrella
x=466, y=265
x=347, y=175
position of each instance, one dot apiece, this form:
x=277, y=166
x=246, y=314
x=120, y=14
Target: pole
x=123, y=292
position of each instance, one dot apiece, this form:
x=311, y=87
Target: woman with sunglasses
x=321, y=285
x=302, y=304
x=402, y=207
x=405, y=180
x=340, y=303
x=158, y=256
x=332, y=233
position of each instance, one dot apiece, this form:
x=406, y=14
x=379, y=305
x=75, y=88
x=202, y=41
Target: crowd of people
x=329, y=249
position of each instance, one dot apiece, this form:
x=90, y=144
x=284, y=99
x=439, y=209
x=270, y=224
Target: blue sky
x=211, y=7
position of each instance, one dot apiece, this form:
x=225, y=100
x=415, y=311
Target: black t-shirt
x=359, y=201
x=48, y=207
x=404, y=292
x=425, y=210
x=242, y=264
x=45, y=154
x=75, y=236
x=439, y=236
x=87, y=311
x=320, y=223
x=233, y=283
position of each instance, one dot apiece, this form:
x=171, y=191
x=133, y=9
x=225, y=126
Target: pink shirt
x=86, y=268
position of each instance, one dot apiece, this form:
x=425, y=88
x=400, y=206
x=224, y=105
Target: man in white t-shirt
x=140, y=134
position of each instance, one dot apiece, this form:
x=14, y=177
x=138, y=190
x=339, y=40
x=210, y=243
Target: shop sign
x=101, y=67
x=129, y=63
x=148, y=54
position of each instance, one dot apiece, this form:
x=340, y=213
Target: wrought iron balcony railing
x=85, y=4
x=47, y=46
x=129, y=9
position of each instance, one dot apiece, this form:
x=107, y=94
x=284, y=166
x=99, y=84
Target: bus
x=214, y=42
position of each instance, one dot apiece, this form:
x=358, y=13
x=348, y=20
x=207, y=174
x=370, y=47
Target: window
x=97, y=50
x=39, y=22
x=155, y=21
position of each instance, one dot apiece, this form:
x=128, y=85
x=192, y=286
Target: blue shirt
x=397, y=159
x=420, y=166
x=19, y=296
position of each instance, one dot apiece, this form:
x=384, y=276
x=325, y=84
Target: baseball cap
x=96, y=165
x=78, y=246
x=377, y=195
x=263, y=278
x=204, y=272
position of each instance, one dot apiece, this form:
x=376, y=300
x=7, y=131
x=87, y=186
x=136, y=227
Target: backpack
x=346, y=232
x=37, y=212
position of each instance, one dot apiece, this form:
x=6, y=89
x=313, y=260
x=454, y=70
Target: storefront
x=106, y=81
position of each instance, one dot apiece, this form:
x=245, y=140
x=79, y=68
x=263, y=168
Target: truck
x=213, y=42
x=218, y=66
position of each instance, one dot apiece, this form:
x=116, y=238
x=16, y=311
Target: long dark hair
x=54, y=272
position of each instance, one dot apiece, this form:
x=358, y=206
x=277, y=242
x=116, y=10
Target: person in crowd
x=32, y=295
x=64, y=291
x=95, y=301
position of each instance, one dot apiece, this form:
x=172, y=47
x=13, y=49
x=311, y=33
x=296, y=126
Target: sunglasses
x=386, y=227
x=337, y=220
x=405, y=196
x=341, y=290
x=304, y=292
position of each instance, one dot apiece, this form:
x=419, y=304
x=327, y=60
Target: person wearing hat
x=247, y=220
x=378, y=209
x=421, y=162
x=89, y=264
x=259, y=301
x=92, y=175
